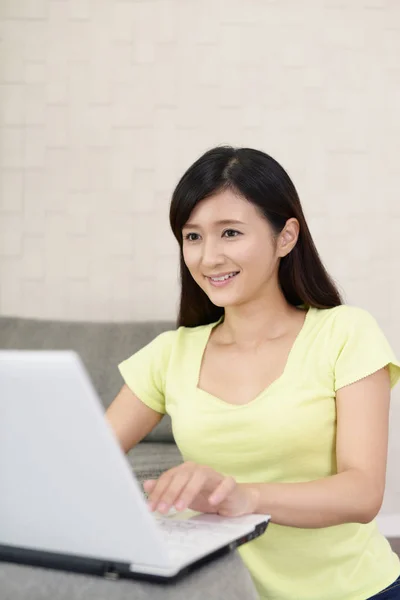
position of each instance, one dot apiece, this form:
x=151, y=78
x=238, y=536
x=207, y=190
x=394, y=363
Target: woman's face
x=227, y=238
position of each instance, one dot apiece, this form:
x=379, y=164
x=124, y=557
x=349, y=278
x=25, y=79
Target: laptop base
x=112, y=570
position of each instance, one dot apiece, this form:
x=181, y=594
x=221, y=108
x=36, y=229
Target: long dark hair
x=260, y=179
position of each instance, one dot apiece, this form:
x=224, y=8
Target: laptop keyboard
x=186, y=537
x=142, y=476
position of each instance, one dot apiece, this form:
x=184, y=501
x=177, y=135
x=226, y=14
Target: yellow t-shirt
x=286, y=434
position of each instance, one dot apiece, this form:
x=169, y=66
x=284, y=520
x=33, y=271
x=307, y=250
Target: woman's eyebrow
x=221, y=222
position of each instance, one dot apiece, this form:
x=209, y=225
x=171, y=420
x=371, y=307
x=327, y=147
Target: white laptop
x=69, y=499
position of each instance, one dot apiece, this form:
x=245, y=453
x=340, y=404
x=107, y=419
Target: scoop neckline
x=266, y=391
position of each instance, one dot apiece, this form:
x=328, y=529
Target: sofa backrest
x=102, y=346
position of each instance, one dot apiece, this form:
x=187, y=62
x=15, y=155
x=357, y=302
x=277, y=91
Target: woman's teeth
x=224, y=277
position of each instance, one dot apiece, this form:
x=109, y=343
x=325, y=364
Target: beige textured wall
x=104, y=104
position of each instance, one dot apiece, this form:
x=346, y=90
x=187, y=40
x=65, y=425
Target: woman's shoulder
x=351, y=327
x=181, y=334
x=344, y=316
x=193, y=334
x=357, y=343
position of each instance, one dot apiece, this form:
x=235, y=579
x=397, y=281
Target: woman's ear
x=288, y=237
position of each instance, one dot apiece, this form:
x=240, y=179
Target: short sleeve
x=145, y=371
x=364, y=348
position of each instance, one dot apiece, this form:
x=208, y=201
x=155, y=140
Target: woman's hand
x=202, y=489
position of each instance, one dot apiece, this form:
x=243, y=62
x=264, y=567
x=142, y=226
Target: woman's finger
x=149, y=484
x=159, y=489
x=195, y=484
x=170, y=495
x=223, y=490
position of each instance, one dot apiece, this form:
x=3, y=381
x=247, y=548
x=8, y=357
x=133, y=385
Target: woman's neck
x=249, y=326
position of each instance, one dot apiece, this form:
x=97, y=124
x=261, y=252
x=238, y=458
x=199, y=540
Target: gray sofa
x=102, y=346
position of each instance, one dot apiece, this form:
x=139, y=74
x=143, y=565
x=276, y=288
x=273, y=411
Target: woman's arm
x=131, y=419
x=355, y=493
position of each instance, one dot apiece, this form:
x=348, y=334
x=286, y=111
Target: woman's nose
x=211, y=254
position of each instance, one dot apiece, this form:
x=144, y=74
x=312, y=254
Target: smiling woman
x=229, y=212
x=240, y=260
x=278, y=393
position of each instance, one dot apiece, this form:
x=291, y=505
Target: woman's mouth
x=222, y=280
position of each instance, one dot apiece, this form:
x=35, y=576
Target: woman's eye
x=231, y=232
x=194, y=237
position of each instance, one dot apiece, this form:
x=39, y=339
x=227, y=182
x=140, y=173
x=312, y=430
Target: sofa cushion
x=102, y=346
x=226, y=577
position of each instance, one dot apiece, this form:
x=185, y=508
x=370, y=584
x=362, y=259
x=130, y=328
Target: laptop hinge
x=111, y=573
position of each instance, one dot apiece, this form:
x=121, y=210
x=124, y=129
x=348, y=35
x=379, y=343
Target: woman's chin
x=222, y=302
x=221, y=297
